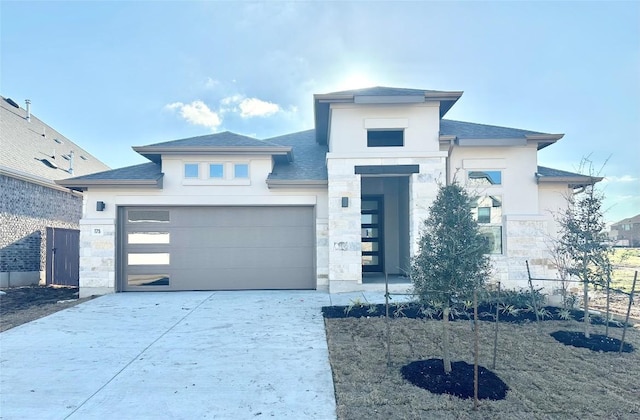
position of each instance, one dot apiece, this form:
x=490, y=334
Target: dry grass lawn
x=547, y=379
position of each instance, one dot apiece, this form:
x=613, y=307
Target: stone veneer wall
x=526, y=240
x=345, y=249
x=26, y=210
x=97, y=256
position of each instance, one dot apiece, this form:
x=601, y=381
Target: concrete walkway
x=181, y=355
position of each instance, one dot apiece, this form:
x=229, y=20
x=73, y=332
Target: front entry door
x=372, y=228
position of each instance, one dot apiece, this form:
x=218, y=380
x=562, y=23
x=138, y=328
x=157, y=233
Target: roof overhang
x=322, y=105
x=154, y=153
x=302, y=183
x=44, y=182
x=544, y=140
x=85, y=184
x=572, y=181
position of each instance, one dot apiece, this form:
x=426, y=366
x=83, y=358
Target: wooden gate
x=63, y=257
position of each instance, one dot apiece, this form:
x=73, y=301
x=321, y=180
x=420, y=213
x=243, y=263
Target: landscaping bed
x=545, y=378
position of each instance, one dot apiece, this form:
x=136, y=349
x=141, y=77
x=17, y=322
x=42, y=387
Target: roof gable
x=377, y=95
x=213, y=144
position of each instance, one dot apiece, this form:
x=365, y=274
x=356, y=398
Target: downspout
x=448, y=162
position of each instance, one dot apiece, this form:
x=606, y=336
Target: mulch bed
x=429, y=374
x=595, y=342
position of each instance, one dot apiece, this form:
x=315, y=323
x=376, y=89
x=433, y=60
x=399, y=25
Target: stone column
x=345, y=249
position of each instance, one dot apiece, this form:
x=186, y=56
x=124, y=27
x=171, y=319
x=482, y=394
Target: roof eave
x=571, y=181
x=297, y=183
x=83, y=185
x=152, y=153
x=544, y=140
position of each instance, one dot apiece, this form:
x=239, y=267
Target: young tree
x=452, y=259
x=584, y=242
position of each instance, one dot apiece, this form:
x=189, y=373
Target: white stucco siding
x=349, y=123
x=518, y=165
x=553, y=202
x=97, y=228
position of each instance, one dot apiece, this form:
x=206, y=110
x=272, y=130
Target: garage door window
x=148, y=279
x=148, y=216
x=148, y=238
x=148, y=258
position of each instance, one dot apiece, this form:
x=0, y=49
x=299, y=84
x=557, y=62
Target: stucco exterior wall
x=349, y=124
x=97, y=232
x=26, y=210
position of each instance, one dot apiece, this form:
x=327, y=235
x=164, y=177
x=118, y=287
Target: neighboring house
x=337, y=206
x=32, y=156
x=627, y=231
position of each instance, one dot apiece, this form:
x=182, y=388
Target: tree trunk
x=585, y=298
x=446, y=359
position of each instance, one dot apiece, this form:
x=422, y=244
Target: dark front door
x=372, y=228
x=63, y=257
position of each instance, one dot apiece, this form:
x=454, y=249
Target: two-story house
x=335, y=207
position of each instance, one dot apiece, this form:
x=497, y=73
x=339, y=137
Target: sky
x=110, y=75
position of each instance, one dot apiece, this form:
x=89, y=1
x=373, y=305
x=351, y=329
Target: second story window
x=385, y=138
x=484, y=178
x=216, y=170
x=241, y=170
x=191, y=170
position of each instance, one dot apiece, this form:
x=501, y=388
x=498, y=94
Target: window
x=484, y=178
x=216, y=170
x=191, y=170
x=148, y=216
x=241, y=170
x=484, y=214
x=385, y=138
x=148, y=279
x=148, y=238
x=487, y=211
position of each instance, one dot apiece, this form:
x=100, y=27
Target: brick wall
x=26, y=210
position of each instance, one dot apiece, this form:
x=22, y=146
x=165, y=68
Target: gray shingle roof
x=573, y=179
x=148, y=170
x=469, y=130
x=144, y=175
x=309, y=158
x=629, y=220
x=223, y=139
x=24, y=147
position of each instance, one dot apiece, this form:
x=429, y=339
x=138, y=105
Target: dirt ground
x=20, y=305
x=546, y=379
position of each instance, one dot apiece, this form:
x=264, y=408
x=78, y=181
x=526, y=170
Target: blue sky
x=114, y=74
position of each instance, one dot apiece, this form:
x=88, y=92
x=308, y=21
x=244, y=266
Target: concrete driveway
x=180, y=355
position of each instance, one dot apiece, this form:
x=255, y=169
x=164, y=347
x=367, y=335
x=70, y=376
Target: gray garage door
x=217, y=248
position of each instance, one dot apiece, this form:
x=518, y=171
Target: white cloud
x=197, y=113
x=623, y=178
x=254, y=107
x=211, y=83
x=248, y=107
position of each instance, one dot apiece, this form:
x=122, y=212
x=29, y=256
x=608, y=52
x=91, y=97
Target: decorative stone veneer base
x=97, y=256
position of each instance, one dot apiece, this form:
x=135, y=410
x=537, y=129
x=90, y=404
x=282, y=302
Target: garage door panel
x=246, y=278
x=238, y=258
x=240, y=216
x=258, y=236
x=227, y=248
